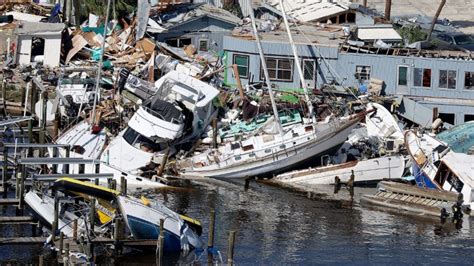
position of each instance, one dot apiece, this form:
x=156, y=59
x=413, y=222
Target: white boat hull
x=373, y=170
x=280, y=161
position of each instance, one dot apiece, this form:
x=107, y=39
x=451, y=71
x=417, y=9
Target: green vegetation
x=412, y=33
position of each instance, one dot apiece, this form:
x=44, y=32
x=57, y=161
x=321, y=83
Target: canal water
x=278, y=226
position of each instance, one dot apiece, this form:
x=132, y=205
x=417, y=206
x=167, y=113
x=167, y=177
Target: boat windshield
x=141, y=142
x=459, y=138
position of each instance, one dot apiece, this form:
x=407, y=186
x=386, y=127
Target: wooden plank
x=9, y=201
x=16, y=219
x=22, y=240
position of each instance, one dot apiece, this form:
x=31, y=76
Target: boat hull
x=368, y=171
x=279, y=162
x=143, y=221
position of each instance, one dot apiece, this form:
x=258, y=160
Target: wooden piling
x=66, y=166
x=5, y=169
x=161, y=242
x=61, y=242
x=21, y=195
x=212, y=221
x=55, y=155
x=56, y=123
x=230, y=248
x=214, y=133
x=163, y=162
x=97, y=171
x=56, y=215
x=74, y=230
x=66, y=252
x=123, y=185
x=239, y=83
x=92, y=216
x=40, y=260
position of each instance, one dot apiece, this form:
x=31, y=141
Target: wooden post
x=212, y=221
x=66, y=166
x=230, y=248
x=5, y=169
x=33, y=99
x=163, y=162
x=239, y=83
x=365, y=3
x=56, y=214
x=92, y=216
x=42, y=133
x=56, y=124
x=61, y=242
x=66, y=251
x=21, y=195
x=74, y=230
x=30, y=136
x=123, y=185
x=214, y=133
x=41, y=260
x=435, y=18
x=388, y=8
x=55, y=155
x=161, y=242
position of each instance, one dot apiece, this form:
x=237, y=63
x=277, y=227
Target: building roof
x=25, y=28
x=184, y=13
x=311, y=10
x=25, y=16
x=378, y=32
x=302, y=34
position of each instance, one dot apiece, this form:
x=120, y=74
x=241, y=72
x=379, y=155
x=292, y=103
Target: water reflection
x=278, y=226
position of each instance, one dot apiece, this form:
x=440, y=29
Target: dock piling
x=74, y=232
x=123, y=185
x=161, y=242
x=56, y=215
x=230, y=248
x=163, y=162
x=92, y=216
x=212, y=221
x=5, y=169
x=61, y=242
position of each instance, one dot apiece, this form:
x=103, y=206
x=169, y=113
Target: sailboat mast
x=101, y=62
x=265, y=71
x=298, y=65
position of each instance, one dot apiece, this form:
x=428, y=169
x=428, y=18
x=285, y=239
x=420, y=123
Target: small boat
x=425, y=152
x=177, y=113
x=382, y=124
x=144, y=223
x=43, y=208
x=365, y=171
x=142, y=216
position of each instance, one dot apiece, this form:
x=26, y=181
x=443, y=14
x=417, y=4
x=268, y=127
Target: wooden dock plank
x=16, y=219
x=9, y=201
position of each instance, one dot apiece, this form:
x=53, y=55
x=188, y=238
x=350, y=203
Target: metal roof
x=184, y=13
x=311, y=10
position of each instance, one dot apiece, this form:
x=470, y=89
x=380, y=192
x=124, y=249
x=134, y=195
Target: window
x=448, y=118
x=402, y=76
x=309, y=67
x=469, y=80
x=279, y=69
x=422, y=77
x=447, y=79
x=203, y=45
x=242, y=62
x=178, y=42
x=363, y=72
x=468, y=118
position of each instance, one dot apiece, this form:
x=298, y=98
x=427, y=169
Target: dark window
x=468, y=118
x=469, y=80
x=178, y=42
x=455, y=182
x=448, y=118
x=141, y=142
x=363, y=72
x=203, y=45
x=422, y=77
x=402, y=76
x=447, y=79
x=279, y=69
x=242, y=62
x=308, y=69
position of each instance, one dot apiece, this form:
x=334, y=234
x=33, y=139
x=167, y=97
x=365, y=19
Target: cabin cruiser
x=178, y=113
